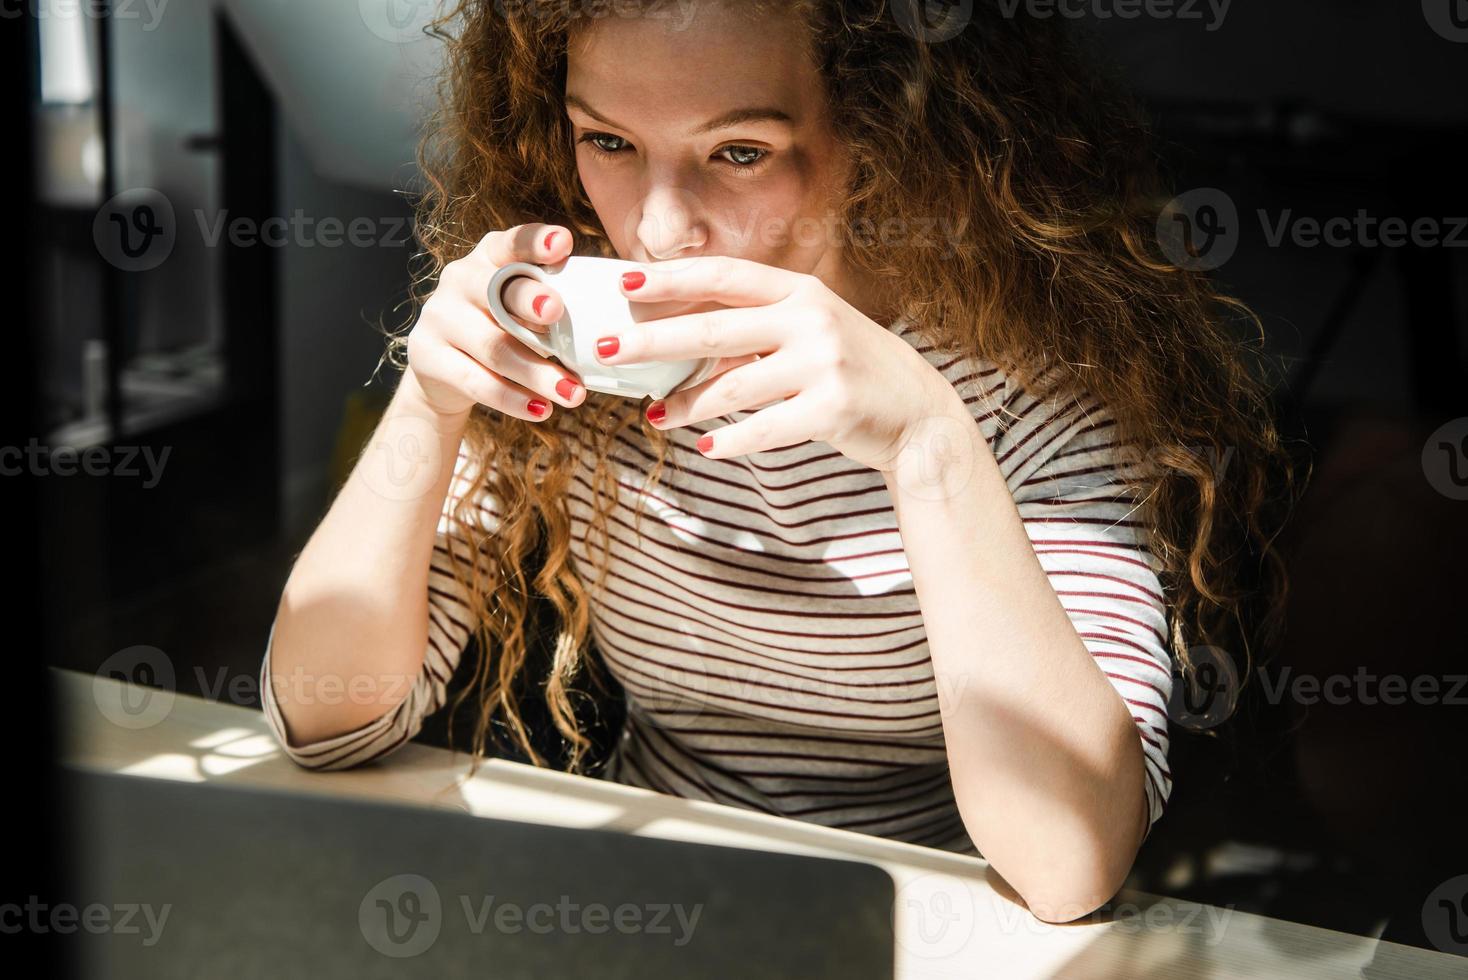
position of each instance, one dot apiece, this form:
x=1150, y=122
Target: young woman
x=919, y=560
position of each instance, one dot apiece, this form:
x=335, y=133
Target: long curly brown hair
x=1059, y=278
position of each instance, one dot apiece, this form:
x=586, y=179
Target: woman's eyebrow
x=734, y=117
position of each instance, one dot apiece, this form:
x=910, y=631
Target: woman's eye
x=605, y=142
x=743, y=156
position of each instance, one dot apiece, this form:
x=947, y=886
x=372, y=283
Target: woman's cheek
x=610, y=206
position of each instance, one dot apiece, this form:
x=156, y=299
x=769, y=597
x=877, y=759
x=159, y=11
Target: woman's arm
x=351, y=635
x=1047, y=764
x=348, y=641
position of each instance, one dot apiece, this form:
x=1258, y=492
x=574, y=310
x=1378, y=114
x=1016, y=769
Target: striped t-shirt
x=765, y=627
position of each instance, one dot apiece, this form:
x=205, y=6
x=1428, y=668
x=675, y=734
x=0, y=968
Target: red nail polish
x=548, y=239
x=537, y=407
x=539, y=305
x=607, y=346
x=656, y=412
x=566, y=388
x=633, y=280
x=705, y=444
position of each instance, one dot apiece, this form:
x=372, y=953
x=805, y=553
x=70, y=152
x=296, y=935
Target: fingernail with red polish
x=537, y=407
x=607, y=346
x=548, y=239
x=656, y=412
x=566, y=388
x=539, y=305
x=705, y=444
x=633, y=280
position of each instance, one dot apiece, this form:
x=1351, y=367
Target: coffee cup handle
x=502, y=316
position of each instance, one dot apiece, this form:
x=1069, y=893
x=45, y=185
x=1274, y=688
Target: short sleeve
x=1078, y=492
x=449, y=629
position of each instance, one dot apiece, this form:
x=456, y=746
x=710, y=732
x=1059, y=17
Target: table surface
x=113, y=726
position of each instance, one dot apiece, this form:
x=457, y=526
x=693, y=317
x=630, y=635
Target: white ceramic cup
x=590, y=291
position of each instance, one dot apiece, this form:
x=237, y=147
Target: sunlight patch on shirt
x=870, y=574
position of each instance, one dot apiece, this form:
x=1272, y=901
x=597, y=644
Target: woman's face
x=705, y=132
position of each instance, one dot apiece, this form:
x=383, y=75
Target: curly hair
x=1008, y=126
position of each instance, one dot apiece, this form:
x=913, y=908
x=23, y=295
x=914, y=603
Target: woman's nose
x=669, y=225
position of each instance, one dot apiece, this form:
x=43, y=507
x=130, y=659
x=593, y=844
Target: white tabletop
x=953, y=916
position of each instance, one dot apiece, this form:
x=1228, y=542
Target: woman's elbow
x=1068, y=902
x=1077, y=891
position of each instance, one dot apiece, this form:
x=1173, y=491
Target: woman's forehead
x=637, y=67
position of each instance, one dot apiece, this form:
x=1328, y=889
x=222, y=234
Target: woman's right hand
x=459, y=357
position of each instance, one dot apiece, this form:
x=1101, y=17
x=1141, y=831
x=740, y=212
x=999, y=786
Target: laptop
x=176, y=879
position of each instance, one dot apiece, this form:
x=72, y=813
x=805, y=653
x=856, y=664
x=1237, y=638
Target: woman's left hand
x=833, y=374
